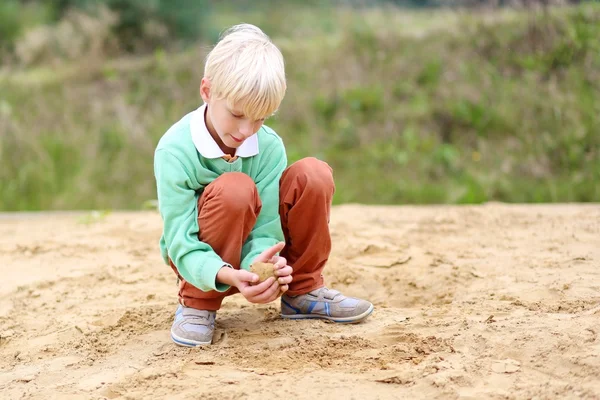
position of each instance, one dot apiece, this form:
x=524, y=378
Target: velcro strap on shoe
x=200, y=314
x=323, y=294
x=330, y=294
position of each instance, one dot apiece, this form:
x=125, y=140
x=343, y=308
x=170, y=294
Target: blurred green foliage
x=16, y=16
x=407, y=108
x=182, y=19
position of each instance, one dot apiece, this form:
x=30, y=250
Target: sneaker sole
x=346, y=320
x=186, y=342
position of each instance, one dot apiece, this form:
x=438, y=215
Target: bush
x=16, y=18
x=144, y=24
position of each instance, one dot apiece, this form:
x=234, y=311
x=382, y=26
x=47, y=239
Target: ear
x=205, y=90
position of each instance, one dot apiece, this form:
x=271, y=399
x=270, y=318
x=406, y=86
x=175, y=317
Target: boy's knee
x=316, y=174
x=236, y=190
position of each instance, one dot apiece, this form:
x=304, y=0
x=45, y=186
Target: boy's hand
x=282, y=270
x=247, y=282
x=262, y=293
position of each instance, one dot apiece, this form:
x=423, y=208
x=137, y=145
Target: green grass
x=415, y=107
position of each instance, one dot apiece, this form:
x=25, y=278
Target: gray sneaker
x=327, y=304
x=193, y=327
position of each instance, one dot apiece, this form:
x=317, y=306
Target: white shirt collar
x=206, y=145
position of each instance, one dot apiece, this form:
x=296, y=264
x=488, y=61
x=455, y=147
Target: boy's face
x=228, y=126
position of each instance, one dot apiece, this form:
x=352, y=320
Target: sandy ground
x=486, y=302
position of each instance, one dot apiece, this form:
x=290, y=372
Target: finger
x=256, y=290
x=268, y=295
x=284, y=280
x=247, y=276
x=270, y=252
x=285, y=271
x=276, y=294
x=273, y=292
x=282, y=290
x=280, y=262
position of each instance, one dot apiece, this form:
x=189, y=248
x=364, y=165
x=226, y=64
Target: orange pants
x=228, y=209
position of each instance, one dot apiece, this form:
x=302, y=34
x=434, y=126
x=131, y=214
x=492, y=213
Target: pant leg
x=227, y=211
x=306, y=192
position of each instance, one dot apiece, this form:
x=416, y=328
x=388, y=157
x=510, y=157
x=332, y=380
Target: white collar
x=206, y=145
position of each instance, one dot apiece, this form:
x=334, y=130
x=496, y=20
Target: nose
x=246, y=128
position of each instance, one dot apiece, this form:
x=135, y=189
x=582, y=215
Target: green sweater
x=182, y=173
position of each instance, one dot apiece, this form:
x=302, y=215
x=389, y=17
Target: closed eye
x=241, y=116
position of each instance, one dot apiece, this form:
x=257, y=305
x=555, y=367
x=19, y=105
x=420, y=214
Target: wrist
x=226, y=275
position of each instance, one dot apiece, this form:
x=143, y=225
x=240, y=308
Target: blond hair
x=247, y=70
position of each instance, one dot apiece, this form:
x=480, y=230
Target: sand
x=479, y=302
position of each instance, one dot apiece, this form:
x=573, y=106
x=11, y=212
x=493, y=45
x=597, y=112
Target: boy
x=227, y=199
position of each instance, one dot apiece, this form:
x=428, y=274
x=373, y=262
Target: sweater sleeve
x=267, y=231
x=196, y=261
